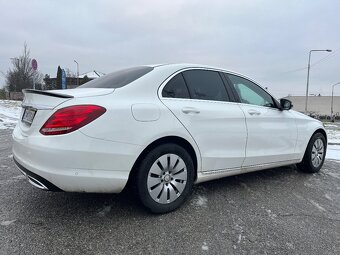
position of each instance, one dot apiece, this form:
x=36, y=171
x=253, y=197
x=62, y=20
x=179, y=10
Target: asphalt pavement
x=276, y=211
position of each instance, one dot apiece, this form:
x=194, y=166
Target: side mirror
x=286, y=104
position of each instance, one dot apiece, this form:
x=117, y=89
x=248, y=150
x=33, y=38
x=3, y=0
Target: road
x=276, y=211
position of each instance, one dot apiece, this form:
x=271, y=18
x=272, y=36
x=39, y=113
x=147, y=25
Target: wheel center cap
x=167, y=178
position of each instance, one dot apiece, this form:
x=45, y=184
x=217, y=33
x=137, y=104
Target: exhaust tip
x=36, y=180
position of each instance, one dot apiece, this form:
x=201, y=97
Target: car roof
x=179, y=66
x=171, y=67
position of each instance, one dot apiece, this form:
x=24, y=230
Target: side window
x=176, y=88
x=206, y=85
x=250, y=93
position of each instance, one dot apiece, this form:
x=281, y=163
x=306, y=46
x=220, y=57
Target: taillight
x=71, y=118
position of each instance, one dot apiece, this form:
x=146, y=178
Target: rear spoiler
x=47, y=93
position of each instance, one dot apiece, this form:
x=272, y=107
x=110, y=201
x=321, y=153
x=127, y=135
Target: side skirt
x=220, y=173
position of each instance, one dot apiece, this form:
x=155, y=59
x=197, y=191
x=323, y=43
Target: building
x=318, y=105
x=71, y=82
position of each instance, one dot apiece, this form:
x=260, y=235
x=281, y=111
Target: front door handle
x=188, y=110
x=253, y=112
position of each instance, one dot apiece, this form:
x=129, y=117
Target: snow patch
x=7, y=223
x=239, y=238
x=290, y=245
x=270, y=214
x=205, y=246
x=201, y=201
x=9, y=113
x=334, y=175
x=330, y=125
x=328, y=197
x=333, y=133
x=104, y=210
x=333, y=152
x=19, y=177
x=317, y=205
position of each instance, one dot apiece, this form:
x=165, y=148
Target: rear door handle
x=253, y=112
x=188, y=110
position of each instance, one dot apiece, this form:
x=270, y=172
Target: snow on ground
x=9, y=113
x=333, y=152
x=333, y=133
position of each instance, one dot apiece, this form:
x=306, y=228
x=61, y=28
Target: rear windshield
x=119, y=78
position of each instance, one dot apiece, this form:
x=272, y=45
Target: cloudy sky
x=266, y=40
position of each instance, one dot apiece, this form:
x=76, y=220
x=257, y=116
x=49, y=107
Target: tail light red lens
x=69, y=119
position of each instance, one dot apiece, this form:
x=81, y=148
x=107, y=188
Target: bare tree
x=21, y=75
x=69, y=73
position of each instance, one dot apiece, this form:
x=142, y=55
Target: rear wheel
x=165, y=178
x=315, y=154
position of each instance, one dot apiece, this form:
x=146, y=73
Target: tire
x=314, y=155
x=165, y=178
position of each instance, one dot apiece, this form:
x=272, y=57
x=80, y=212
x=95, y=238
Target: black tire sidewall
x=143, y=172
x=307, y=164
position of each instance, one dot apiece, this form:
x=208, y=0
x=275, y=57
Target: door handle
x=188, y=110
x=253, y=112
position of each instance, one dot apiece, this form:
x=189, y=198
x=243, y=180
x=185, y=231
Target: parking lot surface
x=276, y=211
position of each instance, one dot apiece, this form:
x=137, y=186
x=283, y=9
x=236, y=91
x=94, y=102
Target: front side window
x=250, y=93
x=176, y=88
x=205, y=85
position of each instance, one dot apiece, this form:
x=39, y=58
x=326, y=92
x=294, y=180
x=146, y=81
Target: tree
x=21, y=75
x=2, y=94
x=58, y=81
x=48, y=83
x=69, y=73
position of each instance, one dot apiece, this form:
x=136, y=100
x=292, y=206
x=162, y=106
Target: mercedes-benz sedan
x=162, y=128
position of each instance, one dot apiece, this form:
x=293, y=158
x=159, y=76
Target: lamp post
x=332, y=100
x=310, y=53
x=77, y=72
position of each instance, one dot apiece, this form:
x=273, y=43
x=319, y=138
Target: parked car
x=162, y=128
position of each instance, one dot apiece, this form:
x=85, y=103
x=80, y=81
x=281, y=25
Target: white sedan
x=162, y=128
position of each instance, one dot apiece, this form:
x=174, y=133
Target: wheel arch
x=322, y=131
x=167, y=139
x=319, y=130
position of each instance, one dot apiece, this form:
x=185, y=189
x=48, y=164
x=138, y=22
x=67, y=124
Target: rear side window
x=206, y=85
x=119, y=78
x=176, y=88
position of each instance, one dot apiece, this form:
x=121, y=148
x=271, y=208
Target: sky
x=266, y=40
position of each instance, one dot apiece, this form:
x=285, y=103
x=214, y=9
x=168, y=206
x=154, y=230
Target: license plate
x=28, y=115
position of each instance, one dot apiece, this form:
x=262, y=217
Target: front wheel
x=315, y=154
x=165, y=178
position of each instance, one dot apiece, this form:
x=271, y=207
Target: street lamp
x=77, y=72
x=310, y=53
x=332, y=100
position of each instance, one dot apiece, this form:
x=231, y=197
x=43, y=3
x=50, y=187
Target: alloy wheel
x=318, y=151
x=167, y=178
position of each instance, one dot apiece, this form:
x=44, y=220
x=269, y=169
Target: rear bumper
x=74, y=162
x=36, y=180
